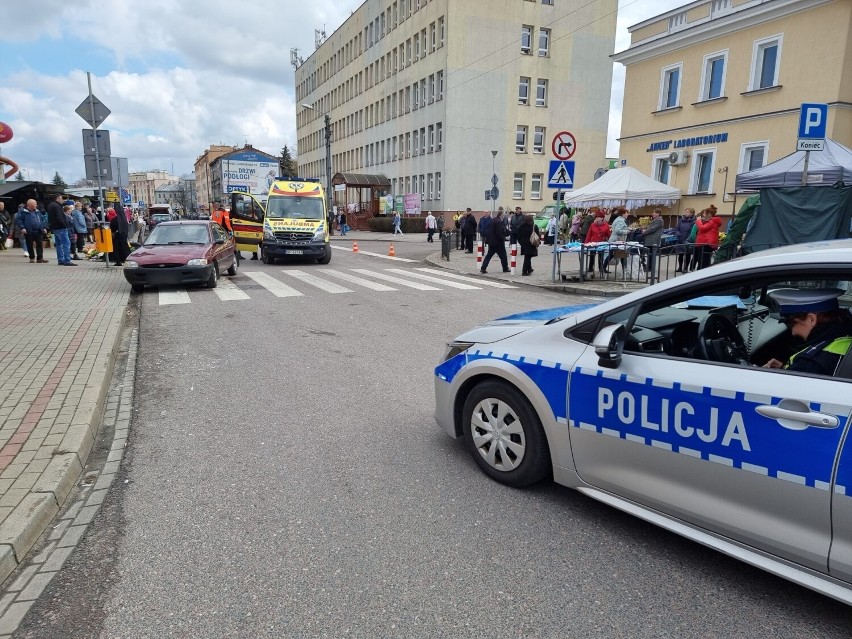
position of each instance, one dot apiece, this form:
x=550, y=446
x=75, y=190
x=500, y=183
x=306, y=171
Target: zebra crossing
x=297, y=283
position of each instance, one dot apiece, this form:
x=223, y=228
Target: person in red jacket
x=599, y=231
x=707, y=238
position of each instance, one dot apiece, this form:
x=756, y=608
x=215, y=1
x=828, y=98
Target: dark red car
x=185, y=252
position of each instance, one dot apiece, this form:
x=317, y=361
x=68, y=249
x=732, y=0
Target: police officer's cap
x=817, y=300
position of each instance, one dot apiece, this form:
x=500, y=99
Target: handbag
x=535, y=239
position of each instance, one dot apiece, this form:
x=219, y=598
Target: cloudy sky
x=178, y=75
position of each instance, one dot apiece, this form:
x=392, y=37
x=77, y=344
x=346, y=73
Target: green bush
x=384, y=224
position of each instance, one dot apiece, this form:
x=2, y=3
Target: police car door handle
x=795, y=418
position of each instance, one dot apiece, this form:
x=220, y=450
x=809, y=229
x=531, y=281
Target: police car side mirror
x=609, y=344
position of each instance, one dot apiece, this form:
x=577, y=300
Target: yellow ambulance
x=293, y=223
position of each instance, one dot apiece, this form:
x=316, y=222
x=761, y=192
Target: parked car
x=186, y=252
x=158, y=218
x=693, y=404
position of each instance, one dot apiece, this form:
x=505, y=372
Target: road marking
x=384, y=257
x=396, y=280
x=278, y=289
x=228, y=291
x=464, y=278
x=435, y=280
x=179, y=296
x=374, y=286
x=313, y=280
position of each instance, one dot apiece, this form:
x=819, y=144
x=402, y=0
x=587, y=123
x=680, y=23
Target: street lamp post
x=493, y=177
x=329, y=193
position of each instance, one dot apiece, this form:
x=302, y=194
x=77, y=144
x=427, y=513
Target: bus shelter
x=358, y=195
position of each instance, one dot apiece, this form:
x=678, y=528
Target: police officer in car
x=816, y=317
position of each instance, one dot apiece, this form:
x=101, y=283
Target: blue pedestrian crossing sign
x=561, y=174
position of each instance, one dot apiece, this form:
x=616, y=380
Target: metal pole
x=330, y=194
x=97, y=153
x=493, y=173
x=805, y=168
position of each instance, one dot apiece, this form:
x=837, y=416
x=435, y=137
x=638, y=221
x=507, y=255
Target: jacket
x=497, y=231
x=78, y=221
x=708, y=232
x=684, y=228
x=826, y=346
x=653, y=233
x=469, y=225
x=485, y=223
x=525, y=232
x=516, y=222
x=56, y=217
x=31, y=221
x=598, y=232
x=618, y=229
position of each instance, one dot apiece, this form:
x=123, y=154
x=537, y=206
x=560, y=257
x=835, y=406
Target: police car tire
x=535, y=464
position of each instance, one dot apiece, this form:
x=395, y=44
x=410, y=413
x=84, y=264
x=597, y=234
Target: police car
x=662, y=404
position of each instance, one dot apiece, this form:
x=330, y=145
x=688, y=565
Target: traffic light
x=558, y=196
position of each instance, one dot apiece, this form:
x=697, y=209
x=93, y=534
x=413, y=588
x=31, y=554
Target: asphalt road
x=285, y=478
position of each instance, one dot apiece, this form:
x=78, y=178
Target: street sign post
x=99, y=139
x=813, y=122
x=93, y=111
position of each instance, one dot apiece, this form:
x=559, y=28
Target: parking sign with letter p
x=813, y=121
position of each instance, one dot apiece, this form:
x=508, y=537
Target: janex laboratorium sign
x=682, y=143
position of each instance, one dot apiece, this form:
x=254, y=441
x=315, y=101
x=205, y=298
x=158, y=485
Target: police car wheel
x=504, y=435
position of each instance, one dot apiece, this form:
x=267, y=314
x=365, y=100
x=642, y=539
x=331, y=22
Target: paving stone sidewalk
x=59, y=331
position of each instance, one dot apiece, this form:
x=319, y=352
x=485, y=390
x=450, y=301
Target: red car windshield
x=178, y=234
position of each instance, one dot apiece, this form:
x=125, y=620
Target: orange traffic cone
x=391, y=252
x=354, y=247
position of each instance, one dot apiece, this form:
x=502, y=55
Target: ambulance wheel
x=504, y=435
x=325, y=259
x=232, y=270
x=214, y=277
x=267, y=259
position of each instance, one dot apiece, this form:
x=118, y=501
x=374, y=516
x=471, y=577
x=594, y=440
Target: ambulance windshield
x=295, y=207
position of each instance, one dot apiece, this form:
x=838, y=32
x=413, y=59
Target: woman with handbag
x=529, y=240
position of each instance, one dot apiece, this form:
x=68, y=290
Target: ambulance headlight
x=319, y=235
x=454, y=348
x=268, y=234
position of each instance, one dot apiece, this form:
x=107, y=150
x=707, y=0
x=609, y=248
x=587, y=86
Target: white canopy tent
x=625, y=187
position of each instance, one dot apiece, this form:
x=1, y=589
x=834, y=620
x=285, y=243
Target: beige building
x=715, y=87
x=203, y=175
x=422, y=92
x=144, y=185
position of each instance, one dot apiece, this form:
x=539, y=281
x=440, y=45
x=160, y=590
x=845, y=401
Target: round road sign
x=495, y=192
x=563, y=146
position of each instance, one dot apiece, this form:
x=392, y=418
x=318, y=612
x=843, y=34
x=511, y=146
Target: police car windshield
x=295, y=207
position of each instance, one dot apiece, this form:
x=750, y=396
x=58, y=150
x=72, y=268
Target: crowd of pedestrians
x=69, y=225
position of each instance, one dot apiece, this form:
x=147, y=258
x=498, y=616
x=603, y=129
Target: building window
x=713, y=76
x=720, y=6
x=702, y=177
x=524, y=91
x=422, y=186
x=518, y=186
x=414, y=186
x=431, y=146
x=753, y=156
x=439, y=135
x=670, y=87
x=544, y=42
x=416, y=47
x=440, y=85
x=423, y=140
x=423, y=92
x=550, y=2
x=535, y=186
x=433, y=37
x=416, y=102
x=441, y=32
x=662, y=169
x=538, y=140
x=541, y=93
x=521, y=139
x=431, y=88
x=526, y=39
x=416, y=141
x=437, y=186
x=765, y=63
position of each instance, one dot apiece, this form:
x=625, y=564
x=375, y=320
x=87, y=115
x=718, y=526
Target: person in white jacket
x=431, y=226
